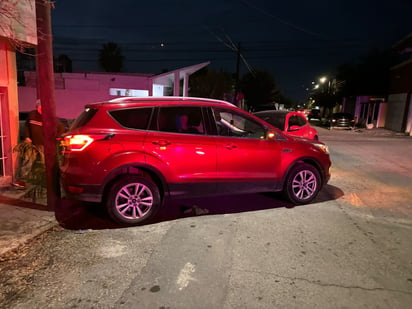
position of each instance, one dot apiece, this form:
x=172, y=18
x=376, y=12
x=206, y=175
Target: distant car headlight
x=322, y=147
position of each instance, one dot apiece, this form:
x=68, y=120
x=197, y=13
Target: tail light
x=79, y=142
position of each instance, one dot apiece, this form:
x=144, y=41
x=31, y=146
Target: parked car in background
x=304, y=112
x=314, y=114
x=341, y=121
x=132, y=154
x=293, y=123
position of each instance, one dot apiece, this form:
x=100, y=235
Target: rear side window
x=181, y=119
x=136, y=118
x=84, y=118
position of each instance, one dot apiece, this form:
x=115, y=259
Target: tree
x=285, y=101
x=209, y=83
x=369, y=76
x=259, y=88
x=110, y=58
x=63, y=64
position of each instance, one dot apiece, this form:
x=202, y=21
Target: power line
x=291, y=25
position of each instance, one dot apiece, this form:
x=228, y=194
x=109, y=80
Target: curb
x=9, y=243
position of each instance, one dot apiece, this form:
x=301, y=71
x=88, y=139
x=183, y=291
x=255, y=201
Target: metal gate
x=3, y=152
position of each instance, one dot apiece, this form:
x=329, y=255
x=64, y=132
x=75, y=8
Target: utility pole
x=237, y=74
x=45, y=90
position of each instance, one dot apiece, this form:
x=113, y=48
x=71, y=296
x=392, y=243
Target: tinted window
x=137, y=118
x=181, y=119
x=229, y=123
x=84, y=118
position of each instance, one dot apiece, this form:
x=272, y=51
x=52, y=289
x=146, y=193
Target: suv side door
x=177, y=145
x=246, y=160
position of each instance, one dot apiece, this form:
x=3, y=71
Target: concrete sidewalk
x=21, y=219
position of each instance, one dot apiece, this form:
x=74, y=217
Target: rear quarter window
x=84, y=118
x=137, y=118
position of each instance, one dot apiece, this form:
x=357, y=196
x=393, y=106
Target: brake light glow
x=80, y=142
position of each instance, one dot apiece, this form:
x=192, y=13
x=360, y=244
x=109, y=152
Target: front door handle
x=230, y=146
x=161, y=143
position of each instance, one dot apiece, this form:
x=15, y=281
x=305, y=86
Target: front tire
x=133, y=200
x=302, y=184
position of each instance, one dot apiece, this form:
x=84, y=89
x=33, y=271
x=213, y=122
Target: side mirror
x=270, y=134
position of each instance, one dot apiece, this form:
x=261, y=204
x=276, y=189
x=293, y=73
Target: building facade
x=399, y=114
x=17, y=30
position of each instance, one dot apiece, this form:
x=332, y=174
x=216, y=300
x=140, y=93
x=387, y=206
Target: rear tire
x=133, y=200
x=302, y=184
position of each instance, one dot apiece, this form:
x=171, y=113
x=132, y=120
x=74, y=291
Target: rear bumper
x=83, y=196
x=85, y=193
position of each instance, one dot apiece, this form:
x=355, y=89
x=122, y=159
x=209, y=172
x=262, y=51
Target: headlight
x=322, y=147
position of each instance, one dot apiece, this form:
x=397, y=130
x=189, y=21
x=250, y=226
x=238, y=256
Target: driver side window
x=229, y=123
x=296, y=121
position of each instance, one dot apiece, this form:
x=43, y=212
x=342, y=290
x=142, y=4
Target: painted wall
x=75, y=90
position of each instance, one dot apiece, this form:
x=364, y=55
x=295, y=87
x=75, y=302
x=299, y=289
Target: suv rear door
x=178, y=146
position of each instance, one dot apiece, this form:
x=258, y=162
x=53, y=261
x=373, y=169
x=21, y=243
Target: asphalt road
x=351, y=248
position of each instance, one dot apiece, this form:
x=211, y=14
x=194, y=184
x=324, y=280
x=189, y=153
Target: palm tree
x=110, y=58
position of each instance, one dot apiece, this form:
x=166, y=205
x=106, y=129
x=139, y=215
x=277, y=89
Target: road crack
x=325, y=284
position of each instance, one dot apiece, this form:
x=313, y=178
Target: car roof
x=168, y=98
x=272, y=111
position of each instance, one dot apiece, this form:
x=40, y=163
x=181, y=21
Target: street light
x=323, y=79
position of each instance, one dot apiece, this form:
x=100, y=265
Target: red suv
x=134, y=153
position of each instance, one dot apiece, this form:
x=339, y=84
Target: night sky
x=297, y=41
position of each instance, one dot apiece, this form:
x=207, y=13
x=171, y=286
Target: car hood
x=302, y=140
x=299, y=139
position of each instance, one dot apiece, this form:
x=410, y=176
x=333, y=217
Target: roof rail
x=168, y=98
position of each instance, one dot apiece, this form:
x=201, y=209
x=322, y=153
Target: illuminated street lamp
x=323, y=79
